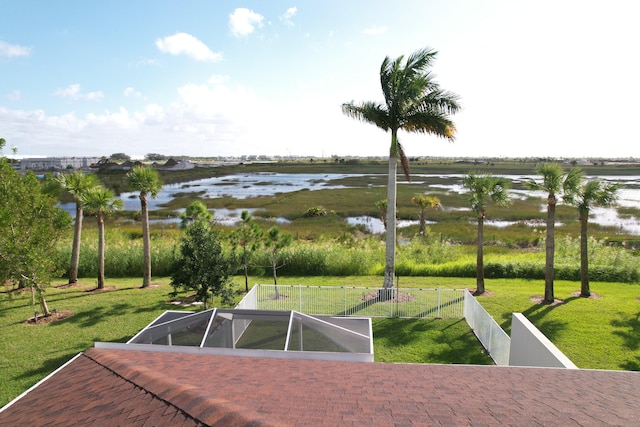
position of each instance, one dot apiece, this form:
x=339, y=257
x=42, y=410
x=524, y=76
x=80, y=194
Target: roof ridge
x=187, y=399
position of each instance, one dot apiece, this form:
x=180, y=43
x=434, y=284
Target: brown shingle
x=149, y=388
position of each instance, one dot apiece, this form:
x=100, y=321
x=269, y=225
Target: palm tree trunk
x=390, y=256
x=550, y=251
x=75, y=251
x=100, y=251
x=480, y=258
x=146, y=241
x=584, y=258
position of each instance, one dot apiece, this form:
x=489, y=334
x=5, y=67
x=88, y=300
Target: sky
x=544, y=78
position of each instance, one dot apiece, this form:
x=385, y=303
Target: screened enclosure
x=262, y=333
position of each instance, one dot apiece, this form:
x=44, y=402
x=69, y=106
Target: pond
x=248, y=185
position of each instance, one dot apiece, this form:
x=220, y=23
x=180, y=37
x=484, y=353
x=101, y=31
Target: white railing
x=493, y=338
x=358, y=301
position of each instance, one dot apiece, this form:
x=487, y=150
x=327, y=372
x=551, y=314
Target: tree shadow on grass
x=96, y=315
x=628, y=328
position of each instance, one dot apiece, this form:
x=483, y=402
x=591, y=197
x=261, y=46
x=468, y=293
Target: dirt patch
x=99, y=291
x=484, y=294
x=278, y=297
x=540, y=300
x=71, y=285
x=151, y=286
x=397, y=297
x=592, y=296
x=55, y=316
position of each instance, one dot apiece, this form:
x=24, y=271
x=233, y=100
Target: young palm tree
x=77, y=184
x=424, y=202
x=147, y=181
x=482, y=190
x=591, y=194
x=413, y=101
x=554, y=183
x=100, y=201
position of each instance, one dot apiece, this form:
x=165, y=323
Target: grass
x=29, y=352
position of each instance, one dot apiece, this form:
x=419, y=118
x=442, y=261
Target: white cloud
x=183, y=43
x=243, y=22
x=375, y=30
x=131, y=92
x=11, y=50
x=73, y=92
x=290, y=13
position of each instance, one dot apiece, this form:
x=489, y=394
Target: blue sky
x=209, y=78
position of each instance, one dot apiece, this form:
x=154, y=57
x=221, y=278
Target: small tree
x=482, y=190
x=424, y=202
x=100, y=201
x=246, y=236
x=196, y=211
x=30, y=226
x=381, y=205
x=588, y=195
x=275, y=242
x=202, y=265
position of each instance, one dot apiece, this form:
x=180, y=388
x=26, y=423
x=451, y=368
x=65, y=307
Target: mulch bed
x=539, y=299
x=397, y=297
x=56, y=315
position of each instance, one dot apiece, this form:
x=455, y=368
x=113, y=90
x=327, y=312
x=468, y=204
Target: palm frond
x=403, y=161
x=370, y=112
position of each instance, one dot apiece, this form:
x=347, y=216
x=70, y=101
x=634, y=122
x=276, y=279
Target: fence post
x=439, y=305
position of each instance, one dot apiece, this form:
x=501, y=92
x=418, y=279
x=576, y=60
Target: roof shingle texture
x=106, y=387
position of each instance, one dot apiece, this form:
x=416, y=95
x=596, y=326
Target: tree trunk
x=43, y=302
x=480, y=257
x=146, y=241
x=100, y=251
x=390, y=256
x=550, y=251
x=584, y=258
x=423, y=220
x=75, y=250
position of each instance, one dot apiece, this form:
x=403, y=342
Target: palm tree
x=100, y=201
x=77, y=184
x=591, y=194
x=147, y=181
x=482, y=190
x=413, y=101
x=424, y=202
x=554, y=183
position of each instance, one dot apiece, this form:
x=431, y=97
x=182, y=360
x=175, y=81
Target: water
x=242, y=186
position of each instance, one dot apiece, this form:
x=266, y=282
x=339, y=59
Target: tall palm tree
x=414, y=102
x=100, y=201
x=424, y=202
x=482, y=190
x=592, y=194
x=555, y=183
x=77, y=184
x=147, y=181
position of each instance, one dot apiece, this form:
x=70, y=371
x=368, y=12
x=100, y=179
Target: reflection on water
x=250, y=185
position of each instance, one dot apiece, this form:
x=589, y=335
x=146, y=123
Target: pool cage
x=262, y=333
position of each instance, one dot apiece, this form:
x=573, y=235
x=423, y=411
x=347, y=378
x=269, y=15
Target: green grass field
x=597, y=333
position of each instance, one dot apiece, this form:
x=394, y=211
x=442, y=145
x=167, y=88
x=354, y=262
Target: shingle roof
x=135, y=388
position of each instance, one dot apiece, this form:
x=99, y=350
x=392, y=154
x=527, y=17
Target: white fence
x=493, y=338
x=357, y=301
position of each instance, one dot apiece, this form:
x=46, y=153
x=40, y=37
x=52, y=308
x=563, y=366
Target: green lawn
x=599, y=333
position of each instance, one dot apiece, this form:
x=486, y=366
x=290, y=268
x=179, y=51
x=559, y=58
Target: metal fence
x=358, y=301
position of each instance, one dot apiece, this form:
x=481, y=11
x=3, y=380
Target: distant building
x=57, y=163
